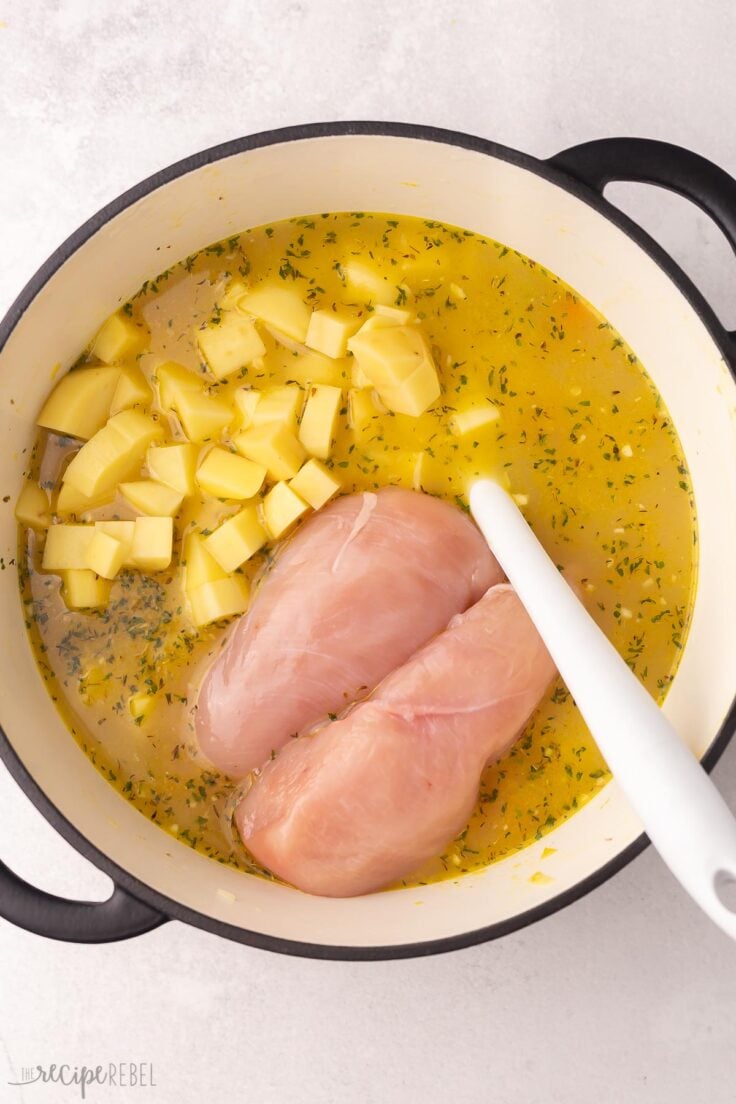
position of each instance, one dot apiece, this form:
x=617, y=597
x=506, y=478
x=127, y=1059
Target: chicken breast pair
x=385, y=640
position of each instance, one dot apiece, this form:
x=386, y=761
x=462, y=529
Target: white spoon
x=683, y=813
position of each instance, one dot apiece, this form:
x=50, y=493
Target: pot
x=554, y=212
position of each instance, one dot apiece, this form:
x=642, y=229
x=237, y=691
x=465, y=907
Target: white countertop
x=627, y=996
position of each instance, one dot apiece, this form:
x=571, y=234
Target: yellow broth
x=583, y=438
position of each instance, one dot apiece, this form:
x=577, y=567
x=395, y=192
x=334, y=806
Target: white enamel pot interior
x=410, y=171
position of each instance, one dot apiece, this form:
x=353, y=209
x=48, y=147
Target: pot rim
x=173, y=909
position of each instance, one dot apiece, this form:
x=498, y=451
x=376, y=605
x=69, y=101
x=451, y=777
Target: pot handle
x=121, y=916
x=647, y=161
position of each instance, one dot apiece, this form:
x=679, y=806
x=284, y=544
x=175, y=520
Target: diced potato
x=237, y=539
x=315, y=483
x=132, y=390
x=118, y=339
x=232, y=344
x=361, y=407
x=82, y=589
x=203, y=417
x=234, y=293
x=79, y=405
x=71, y=501
x=199, y=566
x=218, y=599
x=378, y=321
x=141, y=705
x=105, y=555
x=279, y=404
x=468, y=421
x=279, y=307
x=174, y=380
x=416, y=394
x=153, y=539
x=328, y=332
x=319, y=419
x=390, y=354
x=312, y=367
x=174, y=465
x=398, y=316
x=274, y=446
x=151, y=497
x=122, y=531
x=66, y=547
x=32, y=507
x=246, y=401
x=282, y=506
x=365, y=281
x=114, y=453
x=398, y=362
x=225, y=475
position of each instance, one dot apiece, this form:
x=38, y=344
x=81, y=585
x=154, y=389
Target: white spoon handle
x=683, y=813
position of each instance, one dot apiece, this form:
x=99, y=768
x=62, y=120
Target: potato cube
x=363, y=279
x=233, y=343
x=105, y=555
x=469, y=421
x=246, y=401
x=237, y=539
x=153, y=539
x=174, y=380
x=310, y=367
x=118, y=339
x=122, y=531
x=233, y=294
x=279, y=307
x=378, y=321
x=32, y=507
x=218, y=599
x=282, y=506
x=151, y=497
x=319, y=419
x=71, y=501
x=225, y=475
x=203, y=417
x=114, y=453
x=79, y=405
x=66, y=547
x=82, y=589
x=416, y=394
x=279, y=404
x=274, y=446
x=174, y=465
x=315, y=483
x=361, y=408
x=141, y=706
x=390, y=354
x=132, y=390
x=199, y=566
x=328, y=332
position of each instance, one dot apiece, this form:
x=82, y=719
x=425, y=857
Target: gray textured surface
x=627, y=996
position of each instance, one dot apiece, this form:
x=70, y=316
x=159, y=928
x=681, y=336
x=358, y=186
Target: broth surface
x=583, y=437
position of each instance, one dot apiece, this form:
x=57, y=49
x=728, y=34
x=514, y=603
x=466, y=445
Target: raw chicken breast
x=359, y=588
x=367, y=799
